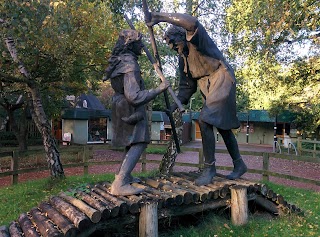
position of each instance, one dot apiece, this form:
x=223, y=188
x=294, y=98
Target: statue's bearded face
x=175, y=38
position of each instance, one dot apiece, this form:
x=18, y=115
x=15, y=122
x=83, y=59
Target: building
x=256, y=127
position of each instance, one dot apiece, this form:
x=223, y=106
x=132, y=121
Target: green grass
x=22, y=197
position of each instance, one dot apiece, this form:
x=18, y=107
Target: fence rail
x=86, y=152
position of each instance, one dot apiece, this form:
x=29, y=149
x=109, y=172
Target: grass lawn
x=22, y=197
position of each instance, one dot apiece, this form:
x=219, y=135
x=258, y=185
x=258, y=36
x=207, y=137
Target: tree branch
x=7, y=78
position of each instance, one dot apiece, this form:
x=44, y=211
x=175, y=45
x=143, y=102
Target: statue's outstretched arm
x=185, y=21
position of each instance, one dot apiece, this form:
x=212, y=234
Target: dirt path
x=290, y=167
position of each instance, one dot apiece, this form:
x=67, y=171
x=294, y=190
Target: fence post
x=201, y=161
x=85, y=156
x=14, y=168
x=314, y=153
x=265, y=177
x=299, y=146
x=143, y=162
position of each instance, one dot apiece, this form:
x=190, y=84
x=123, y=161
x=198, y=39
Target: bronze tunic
x=129, y=99
x=205, y=65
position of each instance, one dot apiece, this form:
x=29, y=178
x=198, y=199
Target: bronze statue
x=202, y=63
x=129, y=119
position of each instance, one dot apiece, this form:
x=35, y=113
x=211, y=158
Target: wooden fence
x=315, y=151
x=86, y=155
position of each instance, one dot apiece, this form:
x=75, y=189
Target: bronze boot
x=239, y=169
x=121, y=186
x=207, y=174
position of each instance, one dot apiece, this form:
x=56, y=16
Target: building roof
x=87, y=106
x=91, y=101
x=254, y=116
x=263, y=116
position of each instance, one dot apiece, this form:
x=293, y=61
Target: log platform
x=176, y=195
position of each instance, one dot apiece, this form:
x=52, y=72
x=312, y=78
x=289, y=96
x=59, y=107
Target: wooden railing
x=315, y=151
x=86, y=153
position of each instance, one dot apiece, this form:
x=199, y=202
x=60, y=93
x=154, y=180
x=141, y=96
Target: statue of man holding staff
x=202, y=64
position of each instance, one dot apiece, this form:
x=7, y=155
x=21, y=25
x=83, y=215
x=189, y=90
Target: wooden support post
x=239, y=205
x=85, y=160
x=14, y=168
x=201, y=159
x=299, y=146
x=148, y=220
x=314, y=153
x=143, y=162
x=265, y=177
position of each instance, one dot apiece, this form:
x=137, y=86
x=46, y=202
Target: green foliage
x=267, y=42
x=62, y=44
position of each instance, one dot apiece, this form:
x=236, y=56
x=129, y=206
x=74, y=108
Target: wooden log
x=148, y=220
x=64, y=224
x=95, y=203
x=263, y=189
x=280, y=199
x=152, y=183
x=181, y=196
x=15, y=230
x=239, y=205
x=45, y=227
x=202, y=193
x=93, y=214
x=270, y=193
x=4, y=231
x=167, y=198
x=136, y=200
x=185, y=184
x=133, y=207
x=192, y=208
x=178, y=199
x=225, y=190
x=123, y=207
x=79, y=219
x=216, y=194
x=267, y=205
x=114, y=210
x=27, y=227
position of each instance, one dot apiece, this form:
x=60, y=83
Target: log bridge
x=84, y=212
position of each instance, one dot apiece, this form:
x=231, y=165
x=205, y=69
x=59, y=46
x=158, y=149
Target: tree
x=58, y=48
x=267, y=38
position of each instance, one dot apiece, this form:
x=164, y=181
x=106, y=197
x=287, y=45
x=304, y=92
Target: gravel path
x=291, y=167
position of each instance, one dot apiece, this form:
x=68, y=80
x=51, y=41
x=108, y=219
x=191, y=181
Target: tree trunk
x=44, y=127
